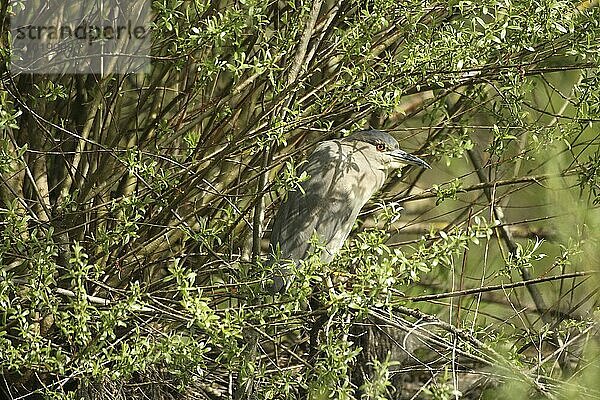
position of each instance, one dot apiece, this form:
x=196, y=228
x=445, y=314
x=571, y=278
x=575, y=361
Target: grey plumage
x=343, y=175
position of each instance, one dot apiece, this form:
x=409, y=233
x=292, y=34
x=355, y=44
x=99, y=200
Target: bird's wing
x=322, y=208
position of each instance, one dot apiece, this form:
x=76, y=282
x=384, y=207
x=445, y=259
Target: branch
x=303, y=45
x=422, y=228
x=501, y=286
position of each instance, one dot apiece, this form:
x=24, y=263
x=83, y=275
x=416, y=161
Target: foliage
x=134, y=209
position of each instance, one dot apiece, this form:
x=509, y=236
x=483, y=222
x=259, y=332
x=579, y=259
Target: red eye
x=380, y=146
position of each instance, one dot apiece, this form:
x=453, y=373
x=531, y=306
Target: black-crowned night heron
x=343, y=175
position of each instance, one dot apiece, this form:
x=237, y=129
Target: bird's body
x=329, y=205
x=343, y=175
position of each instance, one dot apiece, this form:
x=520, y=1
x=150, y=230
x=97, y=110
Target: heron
x=343, y=174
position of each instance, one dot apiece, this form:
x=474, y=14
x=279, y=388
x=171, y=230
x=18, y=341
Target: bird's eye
x=380, y=146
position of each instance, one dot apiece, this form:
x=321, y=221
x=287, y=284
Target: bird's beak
x=406, y=158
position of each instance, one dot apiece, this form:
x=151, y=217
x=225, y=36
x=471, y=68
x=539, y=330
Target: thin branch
x=502, y=286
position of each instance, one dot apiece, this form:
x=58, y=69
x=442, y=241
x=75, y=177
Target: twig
x=501, y=286
x=469, y=338
x=423, y=228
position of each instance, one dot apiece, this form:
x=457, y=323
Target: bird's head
x=383, y=149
